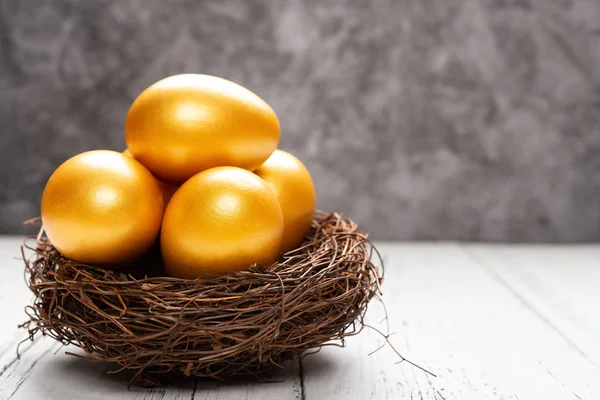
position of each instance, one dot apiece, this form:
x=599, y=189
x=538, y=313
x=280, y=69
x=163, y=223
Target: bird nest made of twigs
x=239, y=324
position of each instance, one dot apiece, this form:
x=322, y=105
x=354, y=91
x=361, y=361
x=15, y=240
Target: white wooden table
x=492, y=321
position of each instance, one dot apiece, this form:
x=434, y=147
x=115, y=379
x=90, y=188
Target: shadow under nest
x=244, y=323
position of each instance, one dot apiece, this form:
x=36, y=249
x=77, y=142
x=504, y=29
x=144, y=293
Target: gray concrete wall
x=421, y=119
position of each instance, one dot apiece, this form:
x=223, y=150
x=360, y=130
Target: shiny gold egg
x=296, y=193
x=188, y=123
x=166, y=189
x=101, y=207
x=220, y=221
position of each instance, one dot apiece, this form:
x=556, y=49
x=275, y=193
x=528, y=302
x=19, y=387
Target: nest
x=240, y=324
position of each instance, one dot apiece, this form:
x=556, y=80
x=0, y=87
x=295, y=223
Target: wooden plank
x=560, y=283
x=44, y=371
x=285, y=385
x=14, y=372
x=452, y=317
x=490, y=329
x=14, y=294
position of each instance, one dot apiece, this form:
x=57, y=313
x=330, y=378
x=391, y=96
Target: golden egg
x=188, y=123
x=296, y=193
x=101, y=207
x=166, y=189
x=221, y=220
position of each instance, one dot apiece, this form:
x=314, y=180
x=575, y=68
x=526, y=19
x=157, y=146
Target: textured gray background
x=422, y=119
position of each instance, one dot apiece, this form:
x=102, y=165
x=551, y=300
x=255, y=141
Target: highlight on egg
x=290, y=179
x=220, y=221
x=101, y=207
x=185, y=124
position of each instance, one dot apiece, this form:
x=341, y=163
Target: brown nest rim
x=238, y=324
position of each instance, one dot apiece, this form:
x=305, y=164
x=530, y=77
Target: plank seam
x=301, y=373
x=26, y=374
x=483, y=264
x=18, y=356
x=194, y=390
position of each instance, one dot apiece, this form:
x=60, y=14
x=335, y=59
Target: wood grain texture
x=450, y=315
x=561, y=284
x=13, y=295
x=493, y=322
x=45, y=372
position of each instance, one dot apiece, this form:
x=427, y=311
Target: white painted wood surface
x=493, y=322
